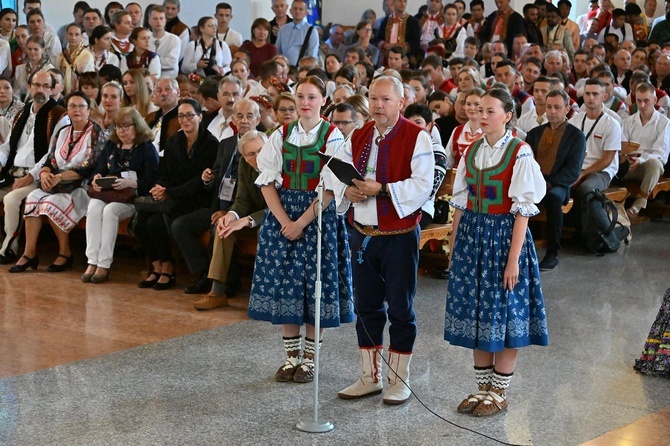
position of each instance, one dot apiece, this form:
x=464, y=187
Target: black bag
x=64, y=187
x=441, y=212
x=600, y=228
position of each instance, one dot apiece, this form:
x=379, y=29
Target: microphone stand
x=315, y=425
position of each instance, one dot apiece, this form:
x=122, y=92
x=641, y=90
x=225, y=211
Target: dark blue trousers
x=387, y=275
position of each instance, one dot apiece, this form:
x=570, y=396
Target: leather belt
x=373, y=231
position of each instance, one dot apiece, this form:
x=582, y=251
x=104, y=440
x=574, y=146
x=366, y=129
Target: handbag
x=148, y=204
x=126, y=195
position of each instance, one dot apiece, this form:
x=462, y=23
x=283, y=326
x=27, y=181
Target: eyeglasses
x=77, y=106
x=342, y=122
x=124, y=127
x=45, y=86
x=187, y=116
x=286, y=109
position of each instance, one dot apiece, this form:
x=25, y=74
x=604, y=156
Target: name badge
x=129, y=174
x=227, y=189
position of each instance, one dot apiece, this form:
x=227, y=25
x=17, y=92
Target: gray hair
x=230, y=79
x=553, y=53
x=250, y=136
x=345, y=87
x=397, y=85
x=173, y=82
x=172, y=2
x=254, y=107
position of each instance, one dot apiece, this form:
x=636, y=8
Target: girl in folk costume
x=465, y=134
x=140, y=56
x=19, y=55
x=74, y=59
x=494, y=297
x=452, y=32
x=268, y=118
x=62, y=199
x=100, y=41
x=282, y=291
x=7, y=26
x=207, y=56
x=37, y=61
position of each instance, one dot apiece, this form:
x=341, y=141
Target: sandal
x=469, y=404
x=492, y=404
x=304, y=373
x=286, y=372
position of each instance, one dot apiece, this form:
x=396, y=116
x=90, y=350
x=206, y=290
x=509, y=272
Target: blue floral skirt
x=283, y=290
x=480, y=313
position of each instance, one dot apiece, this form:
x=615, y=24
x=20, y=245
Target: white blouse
x=194, y=53
x=528, y=185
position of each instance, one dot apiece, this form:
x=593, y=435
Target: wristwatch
x=251, y=221
x=383, y=192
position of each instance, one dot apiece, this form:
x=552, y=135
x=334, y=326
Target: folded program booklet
x=345, y=172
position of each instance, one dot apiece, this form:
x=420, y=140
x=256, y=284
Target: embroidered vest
x=302, y=164
x=394, y=157
x=488, y=187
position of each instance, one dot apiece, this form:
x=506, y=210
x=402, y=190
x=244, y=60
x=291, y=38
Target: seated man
x=222, y=177
x=245, y=215
x=536, y=116
x=23, y=154
x=559, y=149
x=603, y=141
x=645, y=141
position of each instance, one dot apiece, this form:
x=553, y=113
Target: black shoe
x=30, y=263
x=53, y=268
x=442, y=274
x=9, y=257
x=167, y=285
x=202, y=286
x=549, y=262
x=149, y=283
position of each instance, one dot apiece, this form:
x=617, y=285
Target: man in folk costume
x=23, y=154
x=559, y=149
x=431, y=21
x=385, y=212
x=123, y=27
x=401, y=29
x=503, y=25
x=176, y=26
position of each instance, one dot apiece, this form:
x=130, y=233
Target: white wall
x=59, y=12
x=347, y=12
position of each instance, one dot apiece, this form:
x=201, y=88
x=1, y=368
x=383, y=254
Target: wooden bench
x=633, y=187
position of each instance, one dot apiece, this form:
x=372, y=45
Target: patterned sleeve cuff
x=457, y=205
x=525, y=209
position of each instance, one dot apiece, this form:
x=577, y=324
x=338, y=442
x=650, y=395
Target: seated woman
x=136, y=92
x=37, y=61
x=140, y=56
x=131, y=156
x=110, y=103
x=240, y=70
x=74, y=59
x=285, y=109
x=89, y=84
x=187, y=155
x=100, y=41
x=259, y=46
x=62, y=199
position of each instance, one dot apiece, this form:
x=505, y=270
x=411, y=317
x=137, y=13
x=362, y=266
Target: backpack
x=601, y=231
